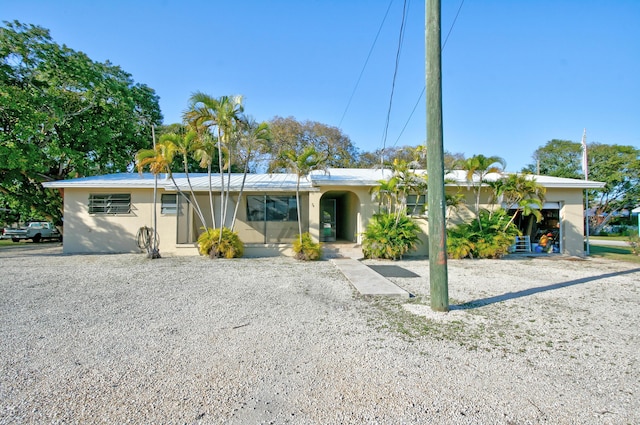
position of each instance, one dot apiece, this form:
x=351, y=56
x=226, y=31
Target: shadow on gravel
x=531, y=291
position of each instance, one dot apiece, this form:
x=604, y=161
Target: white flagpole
x=585, y=169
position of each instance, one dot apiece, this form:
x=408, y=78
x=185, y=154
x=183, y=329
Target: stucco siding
x=110, y=233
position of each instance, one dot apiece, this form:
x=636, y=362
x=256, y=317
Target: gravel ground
x=124, y=339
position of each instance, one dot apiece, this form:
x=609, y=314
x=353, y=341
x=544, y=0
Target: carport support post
x=439, y=290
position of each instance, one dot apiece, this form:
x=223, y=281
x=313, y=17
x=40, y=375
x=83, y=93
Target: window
x=271, y=208
x=416, y=204
x=169, y=203
x=114, y=203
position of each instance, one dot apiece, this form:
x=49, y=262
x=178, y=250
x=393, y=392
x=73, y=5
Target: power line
x=365, y=64
x=393, y=83
x=423, y=88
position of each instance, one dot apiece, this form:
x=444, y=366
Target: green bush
x=230, y=246
x=390, y=236
x=491, y=238
x=308, y=250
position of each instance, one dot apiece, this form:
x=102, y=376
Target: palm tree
x=253, y=137
x=205, y=154
x=386, y=193
x=158, y=160
x=302, y=165
x=520, y=192
x=478, y=167
x=186, y=145
x=221, y=114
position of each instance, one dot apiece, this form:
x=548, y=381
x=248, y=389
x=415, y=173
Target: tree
x=160, y=160
x=288, y=134
x=403, y=153
x=558, y=158
x=221, y=115
x=520, y=192
x=477, y=168
x=63, y=115
x=618, y=166
x=302, y=164
x=186, y=146
x=253, y=136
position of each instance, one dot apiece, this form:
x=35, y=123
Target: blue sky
x=515, y=73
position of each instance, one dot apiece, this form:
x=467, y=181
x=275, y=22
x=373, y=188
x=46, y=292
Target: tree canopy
x=558, y=158
x=618, y=166
x=288, y=134
x=63, y=115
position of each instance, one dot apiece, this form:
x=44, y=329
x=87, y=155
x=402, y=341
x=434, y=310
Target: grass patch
x=5, y=242
x=620, y=253
x=609, y=238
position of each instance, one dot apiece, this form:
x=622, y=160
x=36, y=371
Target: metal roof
x=199, y=182
x=286, y=182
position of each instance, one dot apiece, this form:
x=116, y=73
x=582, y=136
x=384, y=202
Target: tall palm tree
x=477, y=168
x=302, y=165
x=386, y=193
x=222, y=115
x=186, y=145
x=158, y=160
x=520, y=192
x=205, y=154
x=253, y=137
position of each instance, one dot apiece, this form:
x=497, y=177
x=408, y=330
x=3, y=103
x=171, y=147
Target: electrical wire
x=424, y=87
x=365, y=64
x=393, y=83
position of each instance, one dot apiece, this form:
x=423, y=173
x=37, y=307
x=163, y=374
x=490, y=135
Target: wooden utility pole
x=439, y=289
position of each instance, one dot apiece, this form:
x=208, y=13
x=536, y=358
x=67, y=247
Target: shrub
x=390, y=236
x=491, y=240
x=307, y=250
x=230, y=246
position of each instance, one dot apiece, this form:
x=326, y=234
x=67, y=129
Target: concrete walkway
x=366, y=280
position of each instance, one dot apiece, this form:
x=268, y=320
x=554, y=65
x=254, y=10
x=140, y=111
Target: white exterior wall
x=108, y=233
x=111, y=233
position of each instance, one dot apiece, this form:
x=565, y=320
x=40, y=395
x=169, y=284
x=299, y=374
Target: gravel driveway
x=124, y=339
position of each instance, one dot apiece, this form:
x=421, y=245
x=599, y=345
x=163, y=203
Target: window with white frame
x=169, y=203
x=110, y=203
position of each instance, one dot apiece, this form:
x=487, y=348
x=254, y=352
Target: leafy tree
x=558, y=158
x=404, y=153
x=63, y=115
x=288, y=135
x=618, y=166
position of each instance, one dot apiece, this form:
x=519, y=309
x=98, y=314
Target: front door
x=328, y=220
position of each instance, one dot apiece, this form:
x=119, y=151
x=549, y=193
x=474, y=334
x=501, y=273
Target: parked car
x=36, y=231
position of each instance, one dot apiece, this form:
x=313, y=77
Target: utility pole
x=438, y=285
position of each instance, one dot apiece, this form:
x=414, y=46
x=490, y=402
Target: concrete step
x=341, y=250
